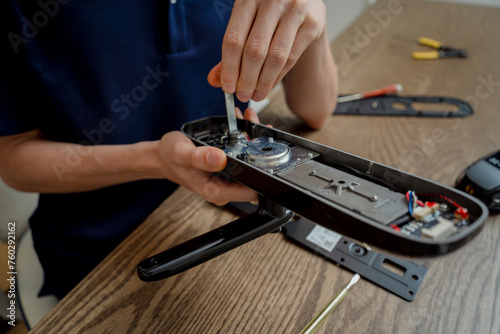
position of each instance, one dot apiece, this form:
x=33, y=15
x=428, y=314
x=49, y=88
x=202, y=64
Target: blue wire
x=410, y=204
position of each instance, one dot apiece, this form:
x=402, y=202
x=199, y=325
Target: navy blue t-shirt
x=104, y=72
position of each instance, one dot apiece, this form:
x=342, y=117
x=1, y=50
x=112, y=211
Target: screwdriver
x=391, y=89
x=318, y=320
x=231, y=118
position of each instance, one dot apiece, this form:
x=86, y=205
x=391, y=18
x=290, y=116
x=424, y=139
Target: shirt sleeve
x=19, y=95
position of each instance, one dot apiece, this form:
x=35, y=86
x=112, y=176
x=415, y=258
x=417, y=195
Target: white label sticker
x=323, y=238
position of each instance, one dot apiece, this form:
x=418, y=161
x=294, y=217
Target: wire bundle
x=413, y=201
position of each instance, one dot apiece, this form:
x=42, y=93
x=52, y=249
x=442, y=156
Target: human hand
x=193, y=167
x=263, y=41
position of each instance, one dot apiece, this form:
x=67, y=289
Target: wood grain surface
x=271, y=285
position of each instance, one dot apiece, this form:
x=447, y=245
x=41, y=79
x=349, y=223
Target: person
x=93, y=94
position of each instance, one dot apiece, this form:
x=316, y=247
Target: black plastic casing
x=482, y=180
x=331, y=215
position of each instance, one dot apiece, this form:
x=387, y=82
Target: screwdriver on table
x=332, y=305
x=391, y=89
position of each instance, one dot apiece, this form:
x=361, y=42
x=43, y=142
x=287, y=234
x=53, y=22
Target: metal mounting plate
x=394, y=105
x=373, y=266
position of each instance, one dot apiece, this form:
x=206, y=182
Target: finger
x=186, y=154
x=213, y=77
x=256, y=51
x=234, y=41
x=251, y=115
x=208, y=159
x=220, y=192
x=238, y=113
x=279, y=55
x=302, y=40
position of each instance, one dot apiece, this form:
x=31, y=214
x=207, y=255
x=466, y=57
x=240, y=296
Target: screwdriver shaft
x=231, y=114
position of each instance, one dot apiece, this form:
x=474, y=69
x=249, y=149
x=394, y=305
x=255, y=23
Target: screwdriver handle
x=391, y=89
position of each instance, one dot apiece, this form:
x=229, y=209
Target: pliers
x=441, y=52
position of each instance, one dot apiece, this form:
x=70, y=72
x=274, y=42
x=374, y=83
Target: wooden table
x=271, y=285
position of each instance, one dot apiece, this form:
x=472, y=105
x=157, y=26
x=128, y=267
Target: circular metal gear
x=267, y=154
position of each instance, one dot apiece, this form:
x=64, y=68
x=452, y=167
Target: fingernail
x=215, y=160
x=228, y=87
x=239, y=114
x=258, y=97
x=252, y=115
x=243, y=97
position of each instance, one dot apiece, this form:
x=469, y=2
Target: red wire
x=458, y=206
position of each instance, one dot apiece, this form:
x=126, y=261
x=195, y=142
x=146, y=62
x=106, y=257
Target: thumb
x=214, y=76
x=181, y=150
x=209, y=159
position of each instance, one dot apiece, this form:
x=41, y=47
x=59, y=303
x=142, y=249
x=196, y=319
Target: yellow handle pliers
x=440, y=52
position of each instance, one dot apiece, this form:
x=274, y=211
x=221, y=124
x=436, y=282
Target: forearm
x=34, y=164
x=311, y=86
